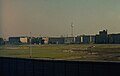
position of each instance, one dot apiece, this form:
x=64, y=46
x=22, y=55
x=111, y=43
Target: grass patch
x=109, y=52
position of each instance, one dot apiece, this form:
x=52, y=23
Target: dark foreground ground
x=10, y=66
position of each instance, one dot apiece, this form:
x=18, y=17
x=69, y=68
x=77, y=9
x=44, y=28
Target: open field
x=108, y=52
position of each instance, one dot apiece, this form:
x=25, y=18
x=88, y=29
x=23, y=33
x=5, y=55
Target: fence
x=35, y=67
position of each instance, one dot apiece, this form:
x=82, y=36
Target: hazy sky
x=53, y=17
x=0, y=19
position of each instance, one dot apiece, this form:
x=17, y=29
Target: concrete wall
x=32, y=67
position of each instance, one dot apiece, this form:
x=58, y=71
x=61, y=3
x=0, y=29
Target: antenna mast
x=72, y=30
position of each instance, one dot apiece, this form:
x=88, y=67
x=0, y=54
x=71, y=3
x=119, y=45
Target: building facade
x=85, y=39
x=19, y=40
x=69, y=40
x=114, y=38
x=102, y=37
x=36, y=40
x=14, y=40
x=78, y=39
x=1, y=41
x=56, y=40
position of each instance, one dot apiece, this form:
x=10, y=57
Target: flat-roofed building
x=56, y=40
x=1, y=41
x=78, y=39
x=36, y=40
x=14, y=40
x=114, y=38
x=92, y=39
x=86, y=39
x=69, y=40
x=19, y=40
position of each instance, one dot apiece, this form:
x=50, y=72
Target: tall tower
x=72, y=29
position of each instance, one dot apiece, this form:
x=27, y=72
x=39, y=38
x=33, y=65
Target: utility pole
x=30, y=53
x=72, y=30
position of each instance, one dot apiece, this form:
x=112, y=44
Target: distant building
x=19, y=40
x=45, y=40
x=102, y=37
x=86, y=39
x=36, y=40
x=69, y=40
x=1, y=41
x=24, y=39
x=92, y=39
x=78, y=39
x=14, y=40
x=114, y=38
x=56, y=40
